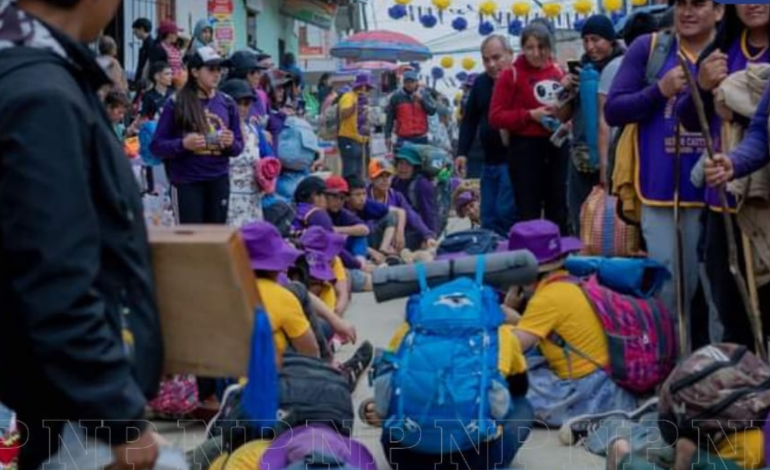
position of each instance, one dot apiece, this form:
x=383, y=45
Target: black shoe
x=355, y=367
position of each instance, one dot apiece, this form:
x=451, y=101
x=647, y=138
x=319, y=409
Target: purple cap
x=542, y=239
x=321, y=246
x=267, y=250
x=363, y=80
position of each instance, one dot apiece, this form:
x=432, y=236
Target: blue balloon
x=515, y=27
x=437, y=73
x=578, y=24
x=486, y=28
x=415, y=66
x=617, y=16
x=397, y=12
x=461, y=76
x=428, y=21
x=460, y=23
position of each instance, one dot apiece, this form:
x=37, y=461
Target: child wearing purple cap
x=326, y=276
x=270, y=255
x=564, y=385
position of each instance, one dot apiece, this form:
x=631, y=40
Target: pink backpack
x=641, y=336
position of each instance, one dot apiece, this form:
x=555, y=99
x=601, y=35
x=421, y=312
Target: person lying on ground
x=387, y=225
x=418, y=235
x=559, y=320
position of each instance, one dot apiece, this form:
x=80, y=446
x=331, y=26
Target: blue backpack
x=297, y=145
x=446, y=366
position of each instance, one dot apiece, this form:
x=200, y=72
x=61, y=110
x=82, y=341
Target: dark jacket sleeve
x=144, y=55
x=470, y=123
x=390, y=114
x=157, y=54
x=752, y=153
x=428, y=104
x=52, y=272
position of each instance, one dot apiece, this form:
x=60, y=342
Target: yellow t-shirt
x=328, y=294
x=511, y=358
x=746, y=448
x=563, y=308
x=287, y=318
x=349, y=126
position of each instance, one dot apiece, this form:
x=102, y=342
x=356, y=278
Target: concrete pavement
x=376, y=322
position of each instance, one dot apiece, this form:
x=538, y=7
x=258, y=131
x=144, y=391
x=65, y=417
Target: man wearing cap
x=650, y=106
x=354, y=128
x=407, y=113
x=418, y=234
x=498, y=211
x=588, y=166
x=566, y=384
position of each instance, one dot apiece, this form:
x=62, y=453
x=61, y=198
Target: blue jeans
x=496, y=454
x=498, y=210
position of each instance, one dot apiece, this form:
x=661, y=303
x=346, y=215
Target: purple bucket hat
x=363, y=80
x=463, y=199
x=542, y=239
x=267, y=250
x=320, y=248
x=299, y=442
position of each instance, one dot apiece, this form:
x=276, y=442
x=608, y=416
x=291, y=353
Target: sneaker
x=574, y=429
x=355, y=367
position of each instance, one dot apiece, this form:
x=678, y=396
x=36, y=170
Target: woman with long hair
x=197, y=132
x=742, y=39
x=166, y=50
x=524, y=103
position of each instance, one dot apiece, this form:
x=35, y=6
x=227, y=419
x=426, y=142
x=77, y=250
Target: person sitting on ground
x=513, y=428
x=466, y=202
x=418, y=235
x=312, y=211
x=345, y=222
x=327, y=277
x=416, y=187
x=559, y=320
x=387, y=225
x=269, y=256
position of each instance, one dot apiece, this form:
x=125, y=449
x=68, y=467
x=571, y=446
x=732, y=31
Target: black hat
x=308, y=187
x=238, y=89
x=206, y=57
x=599, y=25
x=245, y=61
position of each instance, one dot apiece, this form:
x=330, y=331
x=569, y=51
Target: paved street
x=376, y=322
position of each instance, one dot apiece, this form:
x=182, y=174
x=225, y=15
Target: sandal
x=367, y=406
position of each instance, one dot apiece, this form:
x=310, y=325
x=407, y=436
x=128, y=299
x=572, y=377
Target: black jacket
x=475, y=123
x=74, y=257
x=144, y=57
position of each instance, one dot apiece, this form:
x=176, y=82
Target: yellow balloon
x=447, y=62
x=468, y=63
x=638, y=3
x=551, y=10
x=488, y=8
x=403, y=2
x=520, y=8
x=442, y=4
x=583, y=7
x=613, y=5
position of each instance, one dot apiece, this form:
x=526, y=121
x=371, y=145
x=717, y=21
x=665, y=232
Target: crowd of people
x=217, y=138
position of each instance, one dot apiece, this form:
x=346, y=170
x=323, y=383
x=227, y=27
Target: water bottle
x=589, y=107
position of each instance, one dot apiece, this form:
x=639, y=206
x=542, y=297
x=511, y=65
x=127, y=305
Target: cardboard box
x=207, y=296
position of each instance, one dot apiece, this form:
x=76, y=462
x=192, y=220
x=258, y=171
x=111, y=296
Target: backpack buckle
x=410, y=425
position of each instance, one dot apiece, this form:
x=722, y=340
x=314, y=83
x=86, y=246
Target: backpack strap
x=422, y=276
x=480, y=268
x=660, y=45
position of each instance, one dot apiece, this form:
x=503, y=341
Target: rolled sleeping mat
x=502, y=270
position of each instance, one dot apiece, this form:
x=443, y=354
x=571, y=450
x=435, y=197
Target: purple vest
x=657, y=152
x=736, y=61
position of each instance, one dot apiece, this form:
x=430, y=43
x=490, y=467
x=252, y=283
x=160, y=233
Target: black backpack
x=311, y=390
x=470, y=242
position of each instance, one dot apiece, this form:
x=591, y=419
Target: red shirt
x=521, y=89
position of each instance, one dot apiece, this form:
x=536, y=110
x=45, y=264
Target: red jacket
x=519, y=90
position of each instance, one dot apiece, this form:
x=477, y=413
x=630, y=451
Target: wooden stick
x=751, y=280
x=685, y=345
x=732, y=246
